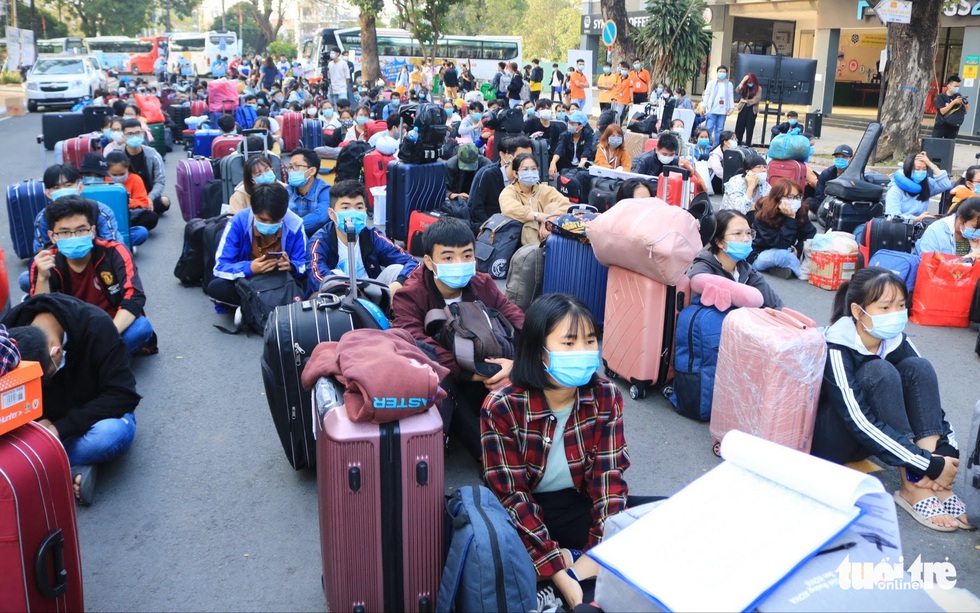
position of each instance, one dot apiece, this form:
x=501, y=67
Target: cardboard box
x=829, y=270
x=16, y=106
x=20, y=396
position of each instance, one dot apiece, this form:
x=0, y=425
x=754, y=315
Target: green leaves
x=676, y=39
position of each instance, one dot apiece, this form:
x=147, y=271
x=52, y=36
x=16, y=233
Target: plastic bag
x=834, y=242
x=944, y=287
x=789, y=147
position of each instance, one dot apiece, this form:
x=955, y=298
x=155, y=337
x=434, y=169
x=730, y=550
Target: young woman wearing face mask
x=913, y=185
x=881, y=398
x=726, y=256
x=115, y=135
x=967, y=186
x=699, y=149
x=956, y=234
x=781, y=225
x=361, y=117
x=750, y=91
x=716, y=160
x=610, y=153
x=743, y=191
x=553, y=443
x=529, y=201
x=257, y=171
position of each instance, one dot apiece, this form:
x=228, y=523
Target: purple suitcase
x=192, y=175
x=381, y=499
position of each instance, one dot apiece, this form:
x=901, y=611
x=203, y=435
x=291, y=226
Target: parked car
x=63, y=81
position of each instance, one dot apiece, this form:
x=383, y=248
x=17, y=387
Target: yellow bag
x=535, y=86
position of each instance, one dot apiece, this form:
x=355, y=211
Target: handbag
x=944, y=290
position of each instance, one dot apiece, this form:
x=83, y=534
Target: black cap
x=844, y=150
x=94, y=164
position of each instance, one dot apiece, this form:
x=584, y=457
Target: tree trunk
x=370, y=67
x=911, y=64
x=624, y=50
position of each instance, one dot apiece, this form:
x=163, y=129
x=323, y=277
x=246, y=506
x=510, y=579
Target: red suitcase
x=375, y=172
x=650, y=145
x=381, y=498
x=74, y=149
x=775, y=360
x=787, y=169
x=199, y=108
x=223, y=146
x=40, y=564
x=291, y=125
x=418, y=221
x=639, y=327
x=675, y=186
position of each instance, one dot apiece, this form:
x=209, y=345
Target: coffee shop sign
x=592, y=24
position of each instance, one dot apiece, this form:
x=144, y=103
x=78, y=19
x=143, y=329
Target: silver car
x=63, y=81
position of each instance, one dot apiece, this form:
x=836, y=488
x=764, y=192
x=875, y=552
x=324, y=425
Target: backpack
x=506, y=120
x=430, y=121
x=412, y=151
x=573, y=224
x=245, y=117
x=456, y=207
x=575, y=184
x=905, y=265
x=488, y=567
x=350, y=161
x=697, y=340
x=190, y=265
x=212, y=197
x=474, y=333
x=260, y=295
x=213, y=229
x=525, y=276
x=499, y=238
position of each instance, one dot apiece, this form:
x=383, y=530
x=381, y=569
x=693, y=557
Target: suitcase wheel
x=610, y=374
x=716, y=448
x=637, y=392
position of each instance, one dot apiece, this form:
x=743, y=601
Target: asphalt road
x=205, y=514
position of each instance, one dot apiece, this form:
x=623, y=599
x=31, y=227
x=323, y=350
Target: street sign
x=894, y=11
x=609, y=34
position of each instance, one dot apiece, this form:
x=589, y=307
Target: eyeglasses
x=293, y=167
x=72, y=233
x=741, y=234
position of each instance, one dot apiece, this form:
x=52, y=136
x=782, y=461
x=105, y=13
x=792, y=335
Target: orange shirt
x=608, y=82
x=641, y=81
x=138, y=198
x=579, y=83
x=623, y=92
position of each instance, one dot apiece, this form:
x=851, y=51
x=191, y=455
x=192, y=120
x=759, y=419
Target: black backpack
x=190, y=265
x=506, y=120
x=430, y=121
x=211, y=236
x=260, y=295
x=412, y=151
x=212, y=197
x=350, y=160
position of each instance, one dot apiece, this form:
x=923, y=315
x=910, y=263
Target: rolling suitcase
x=674, y=186
x=158, y=130
x=179, y=114
x=93, y=118
x=893, y=233
x=57, y=127
x=224, y=145
x=381, y=502
x=24, y=201
x=39, y=553
x=412, y=187
x=192, y=175
x=733, y=162
x=696, y=360
x=638, y=335
x=570, y=267
x=291, y=127
x=203, y=140
x=542, y=156
x=776, y=359
x=312, y=134
x=116, y=198
x=375, y=172
x=787, y=169
x=231, y=168
x=74, y=149
x=417, y=223
x=199, y=108
x=847, y=215
x=634, y=142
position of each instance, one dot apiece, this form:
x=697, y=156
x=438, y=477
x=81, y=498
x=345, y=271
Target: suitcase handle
x=792, y=318
x=55, y=545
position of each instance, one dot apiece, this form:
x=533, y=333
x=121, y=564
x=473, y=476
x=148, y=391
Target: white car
x=64, y=80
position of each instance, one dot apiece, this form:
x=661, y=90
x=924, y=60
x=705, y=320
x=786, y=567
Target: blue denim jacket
x=312, y=207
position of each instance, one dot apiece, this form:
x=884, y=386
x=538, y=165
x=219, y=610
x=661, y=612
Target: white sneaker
x=548, y=601
x=803, y=276
x=238, y=317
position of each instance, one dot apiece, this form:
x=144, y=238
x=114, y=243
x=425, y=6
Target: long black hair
x=540, y=320
x=723, y=219
x=907, y=169
x=865, y=287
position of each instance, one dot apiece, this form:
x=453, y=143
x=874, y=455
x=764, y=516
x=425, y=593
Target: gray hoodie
x=707, y=263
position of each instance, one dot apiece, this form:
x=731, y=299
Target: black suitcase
x=733, y=162
x=93, y=117
x=412, y=187
x=603, y=194
x=57, y=127
x=847, y=215
x=893, y=233
x=540, y=150
x=179, y=114
x=575, y=184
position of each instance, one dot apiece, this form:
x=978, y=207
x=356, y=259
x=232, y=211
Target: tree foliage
x=675, y=39
x=269, y=15
x=252, y=39
x=550, y=28
x=426, y=20
x=104, y=17
x=280, y=47
x=625, y=47
x=487, y=17
x=46, y=25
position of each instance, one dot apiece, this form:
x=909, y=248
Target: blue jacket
x=900, y=202
x=233, y=259
x=939, y=237
x=376, y=254
x=312, y=207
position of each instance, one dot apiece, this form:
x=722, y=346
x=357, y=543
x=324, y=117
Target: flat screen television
x=793, y=77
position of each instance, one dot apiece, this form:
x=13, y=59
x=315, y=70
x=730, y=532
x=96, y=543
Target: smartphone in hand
x=273, y=255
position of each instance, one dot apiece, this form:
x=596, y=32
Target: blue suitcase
x=311, y=135
x=203, y=140
x=116, y=198
x=696, y=346
x=570, y=267
x=24, y=201
x=412, y=187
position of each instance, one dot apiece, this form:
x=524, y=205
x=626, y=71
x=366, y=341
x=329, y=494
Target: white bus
x=72, y=45
x=201, y=49
x=397, y=48
x=112, y=51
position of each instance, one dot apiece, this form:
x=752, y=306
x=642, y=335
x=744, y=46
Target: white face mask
x=544, y=114
x=760, y=175
x=794, y=204
x=665, y=159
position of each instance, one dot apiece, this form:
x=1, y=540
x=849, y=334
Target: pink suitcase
x=223, y=146
x=222, y=96
x=192, y=175
x=770, y=367
x=381, y=492
x=787, y=169
x=40, y=564
x=638, y=335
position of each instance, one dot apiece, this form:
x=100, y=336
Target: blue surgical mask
x=530, y=112
x=572, y=368
x=703, y=142
x=328, y=113
x=449, y=111
x=119, y=178
x=134, y=142
x=476, y=116
x=660, y=90
x=357, y=218
x=267, y=229
x=65, y=191
x=606, y=69
x=976, y=188
x=528, y=178
x=887, y=325
x=265, y=178
x=971, y=234
x=561, y=116
x=572, y=129
x=107, y=133
x=615, y=141
x=722, y=76
x=841, y=163
x=456, y=276
x=624, y=73
x=792, y=122
x=738, y=250
x=361, y=120
x=297, y=178
x=919, y=175
x=92, y=180
x=75, y=247
x=396, y=102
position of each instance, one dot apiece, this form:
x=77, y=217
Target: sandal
x=86, y=489
x=955, y=507
x=923, y=510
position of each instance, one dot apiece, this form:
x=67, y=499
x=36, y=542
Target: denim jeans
x=581, y=104
x=715, y=123
x=138, y=334
x=105, y=441
x=513, y=103
x=783, y=258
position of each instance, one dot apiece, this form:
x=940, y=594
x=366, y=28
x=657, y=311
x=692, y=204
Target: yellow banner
x=867, y=40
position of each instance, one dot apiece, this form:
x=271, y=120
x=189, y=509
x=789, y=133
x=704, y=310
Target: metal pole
x=888, y=62
x=224, y=26
x=34, y=28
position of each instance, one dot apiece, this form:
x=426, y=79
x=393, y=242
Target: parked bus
x=397, y=48
x=115, y=51
x=151, y=47
x=201, y=49
x=56, y=46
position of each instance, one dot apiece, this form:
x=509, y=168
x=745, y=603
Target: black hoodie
x=96, y=382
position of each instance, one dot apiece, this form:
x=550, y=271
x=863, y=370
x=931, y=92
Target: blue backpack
x=245, y=117
x=905, y=265
x=695, y=360
x=488, y=568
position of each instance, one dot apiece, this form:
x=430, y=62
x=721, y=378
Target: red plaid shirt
x=517, y=429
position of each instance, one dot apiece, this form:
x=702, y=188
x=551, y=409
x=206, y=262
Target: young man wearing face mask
x=491, y=180
x=89, y=388
x=640, y=82
x=576, y=146
x=579, y=83
x=717, y=103
x=146, y=163
x=309, y=195
x=377, y=257
x=540, y=125
x=95, y=271
x=950, y=110
x=338, y=73
x=606, y=84
x=842, y=159
x=391, y=108
x=448, y=275
x=667, y=153
x=472, y=125
x=790, y=126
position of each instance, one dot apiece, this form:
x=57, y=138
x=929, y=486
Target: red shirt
x=86, y=288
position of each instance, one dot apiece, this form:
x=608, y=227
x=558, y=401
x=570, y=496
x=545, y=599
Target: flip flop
x=955, y=507
x=923, y=510
x=86, y=493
